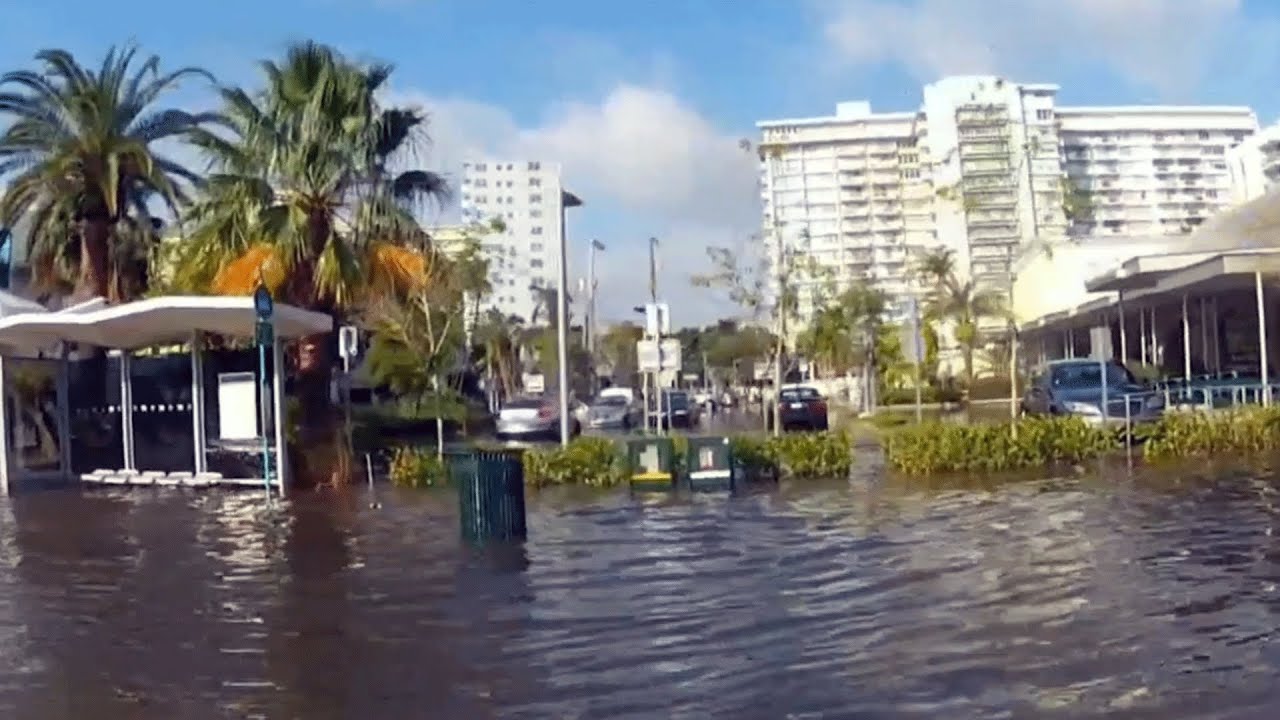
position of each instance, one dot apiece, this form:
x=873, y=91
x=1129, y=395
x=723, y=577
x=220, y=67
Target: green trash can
x=709, y=464
x=490, y=495
x=651, y=464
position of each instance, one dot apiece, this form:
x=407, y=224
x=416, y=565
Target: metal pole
x=1013, y=379
x=591, y=307
x=562, y=329
x=1262, y=338
x=4, y=431
x=1124, y=340
x=1186, y=342
x=126, y=409
x=1142, y=334
x=197, y=402
x=653, y=270
x=1155, y=341
x=1204, y=335
x=266, y=393
x=1217, y=339
x=278, y=408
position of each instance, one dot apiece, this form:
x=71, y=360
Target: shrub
x=589, y=461
x=414, y=467
x=942, y=447
x=1182, y=434
x=991, y=387
x=929, y=395
x=811, y=456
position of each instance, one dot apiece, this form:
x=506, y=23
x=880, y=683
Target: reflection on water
x=1144, y=597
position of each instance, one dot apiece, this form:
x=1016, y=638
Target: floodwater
x=1087, y=597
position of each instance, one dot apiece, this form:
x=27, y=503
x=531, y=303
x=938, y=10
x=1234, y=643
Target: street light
x=591, y=307
x=567, y=200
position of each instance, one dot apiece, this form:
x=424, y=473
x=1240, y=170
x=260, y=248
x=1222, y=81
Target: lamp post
x=591, y=308
x=567, y=200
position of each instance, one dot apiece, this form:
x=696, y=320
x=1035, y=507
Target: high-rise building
x=984, y=168
x=524, y=257
x=1255, y=165
x=1149, y=171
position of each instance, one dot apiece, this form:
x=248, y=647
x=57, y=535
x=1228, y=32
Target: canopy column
x=199, y=441
x=4, y=430
x=278, y=410
x=1124, y=339
x=1186, y=342
x=64, y=411
x=126, y=409
x=1262, y=337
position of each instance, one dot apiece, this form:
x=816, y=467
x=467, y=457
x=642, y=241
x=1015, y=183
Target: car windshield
x=795, y=394
x=678, y=401
x=609, y=401
x=1088, y=375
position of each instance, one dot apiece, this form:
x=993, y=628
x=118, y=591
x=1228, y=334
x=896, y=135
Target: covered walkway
x=29, y=332
x=1205, y=308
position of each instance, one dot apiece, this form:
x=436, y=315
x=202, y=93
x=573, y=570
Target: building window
x=535, y=213
x=910, y=173
x=535, y=263
x=535, y=230
x=481, y=182
x=480, y=167
x=1204, y=134
x=535, y=247
x=535, y=198
x=1043, y=114
x=511, y=200
x=535, y=182
x=534, y=166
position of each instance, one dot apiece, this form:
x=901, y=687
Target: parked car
x=613, y=411
x=532, y=418
x=801, y=407
x=1075, y=387
x=678, y=410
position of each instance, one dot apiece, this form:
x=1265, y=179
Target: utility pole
x=772, y=401
x=591, y=326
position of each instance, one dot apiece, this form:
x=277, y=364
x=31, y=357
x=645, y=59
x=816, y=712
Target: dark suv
x=1075, y=387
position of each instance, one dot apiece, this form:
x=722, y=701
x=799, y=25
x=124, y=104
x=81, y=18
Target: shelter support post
x=1142, y=335
x=1155, y=340
x=1186, y=342
x=126, y=408
x=278, y=411
x=1217, y=338
x=1204, y=334
x=64, y=411
x=1124, y=339
x=4, y=430
x=1262, y=338
x=198, y=439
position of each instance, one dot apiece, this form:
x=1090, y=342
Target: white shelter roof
x=155, y=321
x=11, y=305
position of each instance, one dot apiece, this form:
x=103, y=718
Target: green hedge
x=933, y=448
x=1186, y=434
x=599, y=462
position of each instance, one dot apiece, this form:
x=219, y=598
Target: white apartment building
x=1255, y=165
x=525, y=195
x=1154, y=171
x=984, y=168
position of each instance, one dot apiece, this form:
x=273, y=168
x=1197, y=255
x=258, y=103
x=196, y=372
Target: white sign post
x=348, y=347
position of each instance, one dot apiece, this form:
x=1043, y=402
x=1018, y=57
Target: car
x=801, y=407
x=612, y=411
x=678, y=410
x=532, y=418
x=1075, y=387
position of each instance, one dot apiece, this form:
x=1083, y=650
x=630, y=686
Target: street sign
x=263, y=305
x=348, y=341
x=648, y=356
x=671, y=355
x=657, y=319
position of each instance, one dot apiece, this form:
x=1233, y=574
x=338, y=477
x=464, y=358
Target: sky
x=646, y=103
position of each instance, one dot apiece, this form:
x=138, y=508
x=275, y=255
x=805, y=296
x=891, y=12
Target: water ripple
x=1064, y=598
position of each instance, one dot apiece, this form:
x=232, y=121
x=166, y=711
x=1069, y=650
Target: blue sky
x=645, y=102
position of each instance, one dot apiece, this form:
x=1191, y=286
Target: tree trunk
x=323, y=454
x=95, y=272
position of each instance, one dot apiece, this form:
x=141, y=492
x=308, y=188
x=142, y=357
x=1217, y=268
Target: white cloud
x=645, y=163
x=1165, y=45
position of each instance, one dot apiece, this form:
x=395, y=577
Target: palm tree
x=81, y=162
x=497, y=338
x=961, y=303
x=302, y=200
